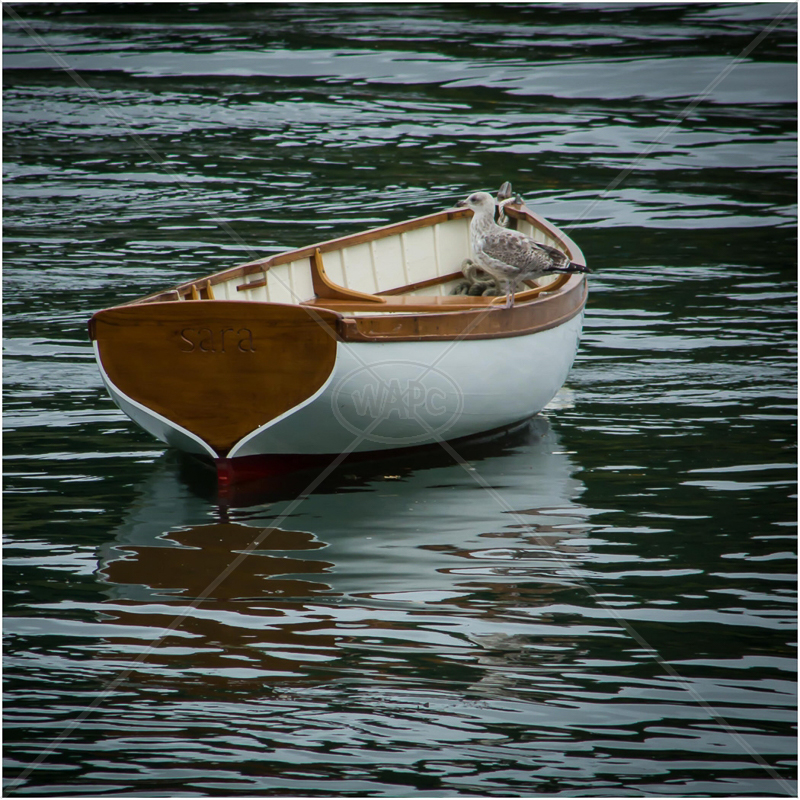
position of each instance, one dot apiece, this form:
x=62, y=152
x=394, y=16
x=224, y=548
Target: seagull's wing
x=559, y=257
x=516, y=250
x=560, y=260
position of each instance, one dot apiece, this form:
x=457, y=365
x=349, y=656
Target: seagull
x=510, y=257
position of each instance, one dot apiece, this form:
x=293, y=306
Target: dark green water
x=600, y=604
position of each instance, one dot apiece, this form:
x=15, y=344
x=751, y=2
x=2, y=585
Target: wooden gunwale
x=488, y=322
x=484, y=321
x=412, y=318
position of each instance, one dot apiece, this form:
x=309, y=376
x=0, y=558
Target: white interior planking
x=375, y=266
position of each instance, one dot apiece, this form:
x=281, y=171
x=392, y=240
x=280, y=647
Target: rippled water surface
x=601, y=603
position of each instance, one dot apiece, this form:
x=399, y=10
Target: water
x=601, y=603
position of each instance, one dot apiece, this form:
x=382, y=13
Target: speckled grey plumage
x=510, y=257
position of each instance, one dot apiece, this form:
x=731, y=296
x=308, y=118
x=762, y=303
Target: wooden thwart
x=412, y=287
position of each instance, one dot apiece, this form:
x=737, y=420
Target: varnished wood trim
x=452, y=276
x=428, y=304
x=325, y=288
x=161, y=297
x=488, y=322
x=243, y=287
x=535, y=291
x=406, y=304
x=413, y=287
x=218, y=369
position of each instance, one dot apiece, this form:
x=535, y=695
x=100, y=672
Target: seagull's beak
x=461, y=204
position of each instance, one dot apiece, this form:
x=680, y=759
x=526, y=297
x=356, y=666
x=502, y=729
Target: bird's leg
x=511, y=287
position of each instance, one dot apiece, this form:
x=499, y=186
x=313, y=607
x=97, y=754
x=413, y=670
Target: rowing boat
x=354, y=345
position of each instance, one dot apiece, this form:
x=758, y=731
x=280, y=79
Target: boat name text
x=222, y=340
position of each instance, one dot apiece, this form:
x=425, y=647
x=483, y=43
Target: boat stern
x=202, y=375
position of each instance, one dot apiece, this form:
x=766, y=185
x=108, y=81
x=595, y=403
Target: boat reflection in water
x=385, y=562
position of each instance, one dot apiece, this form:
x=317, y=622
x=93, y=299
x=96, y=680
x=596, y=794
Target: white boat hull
x=394, y=395
x=371, y=342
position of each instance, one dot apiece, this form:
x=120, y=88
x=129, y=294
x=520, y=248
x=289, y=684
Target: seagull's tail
x=571, y=268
